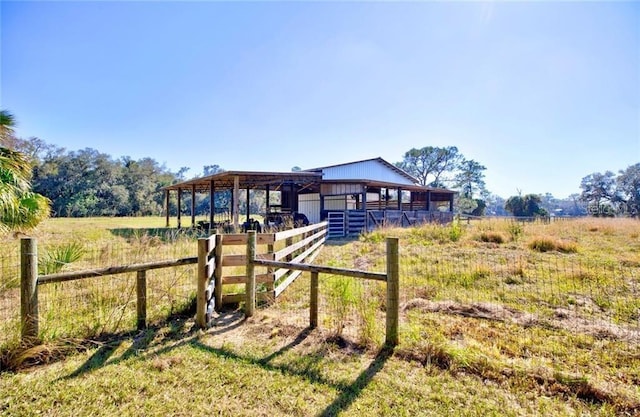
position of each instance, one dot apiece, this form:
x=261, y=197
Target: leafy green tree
x=628, y=189
x=91, y=183
x=430, y=163
x=599, y=192
x=20, y=207
x=470, y=178
x=527, y=206
x=480, y=208
x=7, y=123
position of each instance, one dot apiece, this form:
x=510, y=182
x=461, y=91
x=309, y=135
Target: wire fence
x=95, y=306
x=553, y=291
x=9, y=297
x=558, y=322
x=592, y=296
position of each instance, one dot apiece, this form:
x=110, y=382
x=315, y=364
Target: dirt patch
x=562, y=319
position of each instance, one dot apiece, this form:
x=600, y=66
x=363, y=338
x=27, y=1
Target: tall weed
x=56, y=258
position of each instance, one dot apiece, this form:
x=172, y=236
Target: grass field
x=497, y=318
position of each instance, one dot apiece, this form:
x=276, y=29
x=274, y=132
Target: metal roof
x=248, y=179
x=378, y=159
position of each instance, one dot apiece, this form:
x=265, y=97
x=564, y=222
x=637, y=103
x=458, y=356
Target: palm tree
x=20, y=208
x=7, y=123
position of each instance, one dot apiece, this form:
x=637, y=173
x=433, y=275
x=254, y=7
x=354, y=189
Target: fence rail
x=298, y=245
x=30, y=281
x=391, y=277
x=114, y=270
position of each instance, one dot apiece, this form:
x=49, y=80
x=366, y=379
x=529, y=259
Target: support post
x=250, y=287
x=267, y=204
x=393, y=292
x=193, y=206
x=313, y=303
x=201, y=299
x=179, y=206
x=270, y=271
x=212, y=204
x=29, y=289
x=364, y=207
x=236, y=203
x=166, y=205
x=141, y=299
x=288, y=242
x=248, y=206
x=217, y=273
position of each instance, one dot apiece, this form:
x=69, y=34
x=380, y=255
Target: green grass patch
x=498, y=329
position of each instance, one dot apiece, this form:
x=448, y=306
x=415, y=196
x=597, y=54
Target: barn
x=353, y=197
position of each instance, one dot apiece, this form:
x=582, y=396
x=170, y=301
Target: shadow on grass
x=142, y=341
x=351, y=392
x=307, y=367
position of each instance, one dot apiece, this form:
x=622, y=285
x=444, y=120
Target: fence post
x=141, y=299
x=313, y=303
x=29, y=289
x=250, y=290
x=201, y=301
x=288, y=242
x=393, y=292
x=217, y=272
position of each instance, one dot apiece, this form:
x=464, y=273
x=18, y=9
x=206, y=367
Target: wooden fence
x=298, y=245
x=391, y=277
x=286, y=255
x=30, y=281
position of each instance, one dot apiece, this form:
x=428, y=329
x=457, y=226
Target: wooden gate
x=219, y=282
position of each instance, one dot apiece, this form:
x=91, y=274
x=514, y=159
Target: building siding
x=309, y=205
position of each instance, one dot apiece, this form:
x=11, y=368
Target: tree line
x=608, y=194
x=603, y=194
x=38, y=179
x=447, y=167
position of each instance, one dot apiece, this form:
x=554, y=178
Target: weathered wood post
x=141, y=299
x=250, y=288
x=288, y=242
x=29, y=289
x=201, y=299
x=393, y=292
x=270, y=272
x=313, y=304
x=217, y=272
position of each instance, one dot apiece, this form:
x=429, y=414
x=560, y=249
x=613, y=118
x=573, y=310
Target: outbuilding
x=353, y=197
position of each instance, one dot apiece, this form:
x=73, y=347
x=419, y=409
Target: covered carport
x=288, y=183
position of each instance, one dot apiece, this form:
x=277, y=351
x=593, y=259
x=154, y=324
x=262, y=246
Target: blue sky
x=541, y=93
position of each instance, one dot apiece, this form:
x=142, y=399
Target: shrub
x=455, y=230
x=58, y=257
x=542, y=244
x=515, y=230
x=566, y=247
x=547, y=244
x=491, y=237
